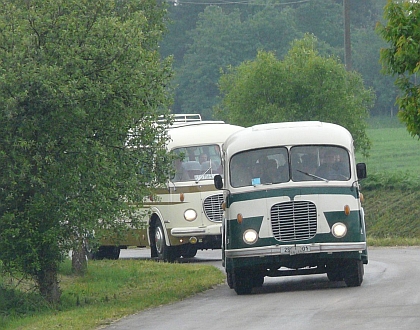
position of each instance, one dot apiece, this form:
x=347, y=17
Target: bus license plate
x=292, y=250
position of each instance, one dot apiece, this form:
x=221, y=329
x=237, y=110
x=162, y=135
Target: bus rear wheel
x=107, y=252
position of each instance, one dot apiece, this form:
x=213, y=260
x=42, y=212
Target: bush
x=391, y=180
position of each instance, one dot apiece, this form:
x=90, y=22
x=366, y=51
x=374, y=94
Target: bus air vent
x=213, y=207
x=294, y=221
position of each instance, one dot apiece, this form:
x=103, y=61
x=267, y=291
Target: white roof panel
x=289, y=134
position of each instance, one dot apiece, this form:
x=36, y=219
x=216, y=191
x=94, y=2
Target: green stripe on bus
x=291, y=193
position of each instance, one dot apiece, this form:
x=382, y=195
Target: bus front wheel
x=164, y=252
x=188, y=250
x=242, y=282
x=354, y=273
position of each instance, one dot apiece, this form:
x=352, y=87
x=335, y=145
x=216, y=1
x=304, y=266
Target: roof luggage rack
x=187, y=117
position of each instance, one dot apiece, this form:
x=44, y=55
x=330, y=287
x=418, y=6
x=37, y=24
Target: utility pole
x=347, y=45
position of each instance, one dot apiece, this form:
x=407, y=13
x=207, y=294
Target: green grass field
x=393, y=148
x=392, y=188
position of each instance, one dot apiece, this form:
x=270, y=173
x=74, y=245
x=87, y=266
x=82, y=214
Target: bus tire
x=164, y=252
x=335, y=272
x=106, y=252
x=229, y=279
x=242, y=282
x=354, y=273
x=334, y=276
x=188, y=251
x=257, y=280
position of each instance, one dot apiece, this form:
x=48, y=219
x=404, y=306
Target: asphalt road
x=389, y=298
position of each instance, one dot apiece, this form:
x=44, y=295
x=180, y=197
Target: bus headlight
x=339, y=230
x=190, y=215
x=250, y=236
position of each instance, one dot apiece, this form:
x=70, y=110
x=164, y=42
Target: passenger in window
x=270, y=174
x=193, y=169
x=202, y=158
x=332, y=168
x=341, y=165
x=240, y=175
x=180, y=172
x=257, y=169
x=306, y=167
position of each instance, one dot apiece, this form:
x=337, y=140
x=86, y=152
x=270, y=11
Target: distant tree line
x=205, y=37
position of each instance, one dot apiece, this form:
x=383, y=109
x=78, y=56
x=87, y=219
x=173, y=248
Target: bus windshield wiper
x=313, y=176
x=202, y=175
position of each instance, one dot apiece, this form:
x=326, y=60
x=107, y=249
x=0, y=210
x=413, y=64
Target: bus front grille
x=213, y=207
x=293, y=221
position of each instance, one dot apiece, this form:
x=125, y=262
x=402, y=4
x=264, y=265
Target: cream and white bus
x=292, y=204
x=186, y=214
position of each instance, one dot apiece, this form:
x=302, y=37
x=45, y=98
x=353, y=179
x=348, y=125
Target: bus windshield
x=314, y=163
x=280, y=164
x=259, y=166
x=197, y=163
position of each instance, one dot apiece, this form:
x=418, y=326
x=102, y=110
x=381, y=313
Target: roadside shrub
x=391, y=180
x=15, y=303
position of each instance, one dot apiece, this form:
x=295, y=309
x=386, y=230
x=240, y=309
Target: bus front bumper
x=294, y=249
x=197, y=231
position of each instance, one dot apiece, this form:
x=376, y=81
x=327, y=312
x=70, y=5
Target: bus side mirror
x=218, y=181
x=361, y=171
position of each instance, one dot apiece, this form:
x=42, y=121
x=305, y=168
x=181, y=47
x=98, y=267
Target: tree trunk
x=47, y=281
x=79, y=260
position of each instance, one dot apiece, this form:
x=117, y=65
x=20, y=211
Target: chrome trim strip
x=184, y=232
x=274, y=250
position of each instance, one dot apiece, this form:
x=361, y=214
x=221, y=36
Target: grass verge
x=110, y=290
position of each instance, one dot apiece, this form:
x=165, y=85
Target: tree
x=225, y=38
x=215, y=44
x=323, y=19
x=401, y=57
x=75, y=78
x=304, y=86
x=366, y=62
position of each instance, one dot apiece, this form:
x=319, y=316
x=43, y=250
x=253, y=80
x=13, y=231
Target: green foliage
x=391, y=180
x=365, y=57
x=208, y=52
x=304, y=86
x=234, y=32
x=75, y=77
x=222, y=38
x=402, y=33
x=15, y=303
x=323, y=19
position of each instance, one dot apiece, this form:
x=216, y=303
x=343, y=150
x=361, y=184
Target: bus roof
x=199, y=133
x=289, y=134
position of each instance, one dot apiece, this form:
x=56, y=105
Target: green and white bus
x=292, y=204
x=185, y=215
